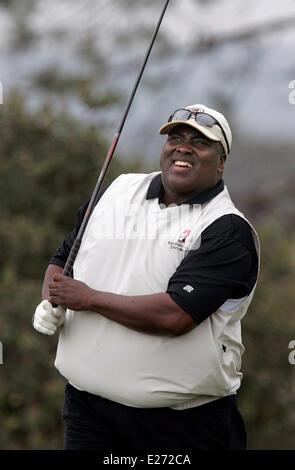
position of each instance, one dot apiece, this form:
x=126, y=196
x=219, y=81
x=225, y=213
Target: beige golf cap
x=215, y=129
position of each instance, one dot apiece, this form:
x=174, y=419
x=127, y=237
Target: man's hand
x=47, y=319
x=153, y=313
x=69, y=293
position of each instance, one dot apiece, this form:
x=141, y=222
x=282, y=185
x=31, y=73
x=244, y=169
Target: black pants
x=94, y=423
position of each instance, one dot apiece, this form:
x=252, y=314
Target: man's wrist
x=91, y=300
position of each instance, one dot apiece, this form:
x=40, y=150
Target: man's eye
x=174, y=139
x=200, y=143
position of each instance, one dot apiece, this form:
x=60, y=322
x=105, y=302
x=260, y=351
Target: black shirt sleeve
x=224, y=267
x=61, y=255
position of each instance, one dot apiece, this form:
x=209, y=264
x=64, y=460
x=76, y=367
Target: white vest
x=132, y=246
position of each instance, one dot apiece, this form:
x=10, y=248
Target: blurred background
x=67, y=70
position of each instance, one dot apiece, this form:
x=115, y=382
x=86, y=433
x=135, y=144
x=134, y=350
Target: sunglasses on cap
x=201, y=118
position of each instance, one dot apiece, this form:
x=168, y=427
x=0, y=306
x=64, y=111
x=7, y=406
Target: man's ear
x=222, y=160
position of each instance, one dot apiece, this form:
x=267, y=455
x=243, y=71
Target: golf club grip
x=70, y=261
x=71, y=258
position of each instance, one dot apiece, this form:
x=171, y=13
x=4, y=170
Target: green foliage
x=82, y=87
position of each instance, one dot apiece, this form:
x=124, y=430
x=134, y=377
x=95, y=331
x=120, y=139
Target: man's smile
x=182, y=163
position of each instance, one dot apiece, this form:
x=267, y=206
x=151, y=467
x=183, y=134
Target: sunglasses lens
x=205, y=119
x=181, y=115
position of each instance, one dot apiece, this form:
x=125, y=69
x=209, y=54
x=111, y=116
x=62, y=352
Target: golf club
x=76, y=245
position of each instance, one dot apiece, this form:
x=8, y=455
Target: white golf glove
x=47, y=319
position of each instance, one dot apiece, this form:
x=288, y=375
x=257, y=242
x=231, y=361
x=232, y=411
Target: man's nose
x=185, y=146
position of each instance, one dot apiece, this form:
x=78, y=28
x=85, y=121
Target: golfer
x=150, y=324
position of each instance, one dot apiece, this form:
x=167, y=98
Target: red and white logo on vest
x=180, y=243
x=184, y=235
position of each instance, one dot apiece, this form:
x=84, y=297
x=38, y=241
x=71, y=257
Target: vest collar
x=156, y=190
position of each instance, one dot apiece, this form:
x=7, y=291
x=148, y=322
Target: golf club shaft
x=76, y=245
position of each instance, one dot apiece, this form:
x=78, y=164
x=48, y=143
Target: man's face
x=203, y=159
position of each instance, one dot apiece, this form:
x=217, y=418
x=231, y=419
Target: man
x=151, y=343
